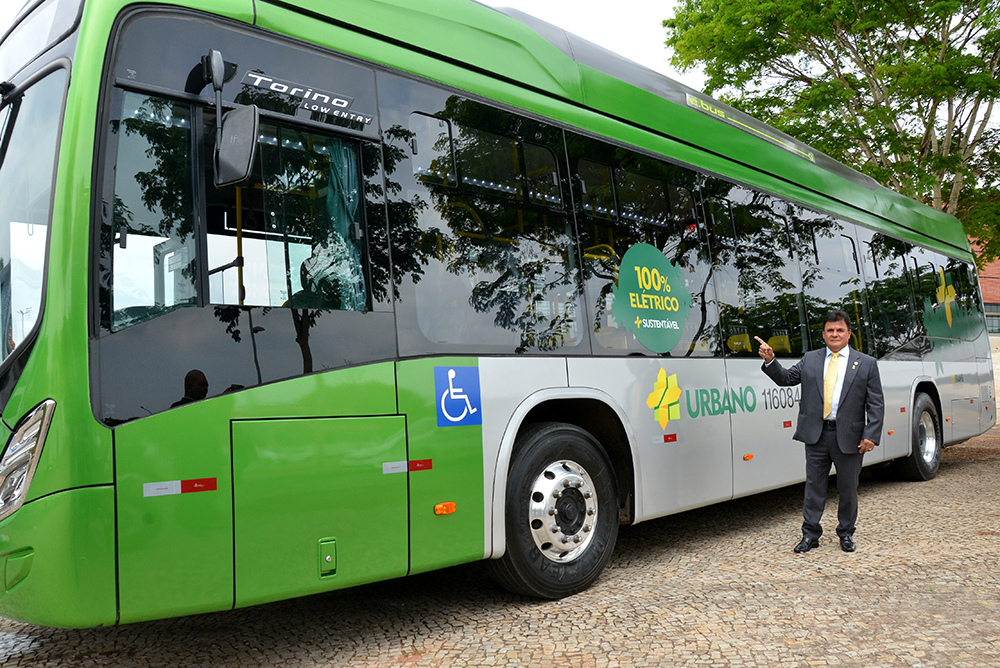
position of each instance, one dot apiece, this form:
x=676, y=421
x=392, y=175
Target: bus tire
x=561, y=519
x=925, y=455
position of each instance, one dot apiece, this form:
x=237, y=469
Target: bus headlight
x=20, y=457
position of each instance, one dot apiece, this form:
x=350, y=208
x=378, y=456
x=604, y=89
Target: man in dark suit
x=840, y=387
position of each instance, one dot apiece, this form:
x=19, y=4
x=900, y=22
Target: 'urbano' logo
x=716, y=402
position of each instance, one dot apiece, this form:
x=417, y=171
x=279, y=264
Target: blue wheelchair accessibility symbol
x=456, y=389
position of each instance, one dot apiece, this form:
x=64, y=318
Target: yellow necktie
x=830, y=382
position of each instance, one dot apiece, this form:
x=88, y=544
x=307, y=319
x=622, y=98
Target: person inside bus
x=195, y=388
x=840, y=387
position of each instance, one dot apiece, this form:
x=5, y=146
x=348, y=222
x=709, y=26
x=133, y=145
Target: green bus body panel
x=57, y=560
x=176, y=550
x=77, y=452
x=455, y=473
x=300, y=484
x=463, y=31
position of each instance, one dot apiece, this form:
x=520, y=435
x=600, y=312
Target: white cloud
x=8, y=10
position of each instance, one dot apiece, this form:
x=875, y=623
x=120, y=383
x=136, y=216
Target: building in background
x=989, y=282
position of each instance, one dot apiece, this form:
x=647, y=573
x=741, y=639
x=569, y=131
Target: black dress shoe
x=806, y=544
x=847, y=544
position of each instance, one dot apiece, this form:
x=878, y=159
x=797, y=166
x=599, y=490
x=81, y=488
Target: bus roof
x=514, y=46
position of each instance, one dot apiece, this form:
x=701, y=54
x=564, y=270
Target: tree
x=905, y=90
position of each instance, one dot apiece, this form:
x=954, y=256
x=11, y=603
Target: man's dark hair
x=838, y=316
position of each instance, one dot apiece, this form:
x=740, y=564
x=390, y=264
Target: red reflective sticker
x=787, y=424
x=670, y=438
x=420, y=464
x=198, y=485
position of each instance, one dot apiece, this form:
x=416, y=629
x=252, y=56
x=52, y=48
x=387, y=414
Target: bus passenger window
x=641, y=206
x=486, y=263
x=770, y=303
x=298, y=228
x=595, y=183
x=430, y=146
x=541, y=176
x=682, y=208
x=152, y=239
x=486, y=160
x=643, y=200
x=967, y=313
x=831, y=276
x=889, y=293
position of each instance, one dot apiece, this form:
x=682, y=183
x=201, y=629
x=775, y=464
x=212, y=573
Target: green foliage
x=904, y=90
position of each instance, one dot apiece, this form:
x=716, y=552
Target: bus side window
x=151, y=238
x=298, y=231
x=831, y=276
x=488, y=161
x=922, y=267
x=968, y=285
x=595, y=185
x=642, y=200
x=431, y=147
x=770, y=303
x=484, y=261
x=627, y=198
x=690, y=253
x=719, y=221
x=967, y=298
x=952, y=315
x=890, y=294
x=541, y=176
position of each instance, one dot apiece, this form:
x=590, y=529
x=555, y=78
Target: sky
x=8, y=9
x=631, y=28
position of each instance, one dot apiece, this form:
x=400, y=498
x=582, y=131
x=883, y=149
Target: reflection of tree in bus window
x=152, y=237
x=490, y=264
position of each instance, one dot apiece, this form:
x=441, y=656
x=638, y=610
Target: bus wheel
x=925, y=455
x=561, y=513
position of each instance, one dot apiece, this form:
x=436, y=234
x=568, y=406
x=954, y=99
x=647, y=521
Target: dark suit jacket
x=860, y=396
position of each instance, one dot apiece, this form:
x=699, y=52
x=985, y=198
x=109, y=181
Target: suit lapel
x=821, y=364
x=852, y=371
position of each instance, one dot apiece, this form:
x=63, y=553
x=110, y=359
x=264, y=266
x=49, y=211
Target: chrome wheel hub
x=562, y=511
x=927, y=438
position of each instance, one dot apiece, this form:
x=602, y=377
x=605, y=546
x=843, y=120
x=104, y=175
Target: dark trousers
x=819, y=457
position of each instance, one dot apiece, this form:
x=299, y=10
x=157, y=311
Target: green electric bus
x=296, y=296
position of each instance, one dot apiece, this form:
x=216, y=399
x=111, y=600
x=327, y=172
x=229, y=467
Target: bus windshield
x=29, y=127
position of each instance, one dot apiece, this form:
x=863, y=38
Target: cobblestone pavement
x=718, y=586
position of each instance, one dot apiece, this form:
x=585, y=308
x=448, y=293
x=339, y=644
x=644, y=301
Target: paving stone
x=718, y=586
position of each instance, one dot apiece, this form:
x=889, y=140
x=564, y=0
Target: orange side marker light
x=747, y=458
x=446, y=508
x=891, y=432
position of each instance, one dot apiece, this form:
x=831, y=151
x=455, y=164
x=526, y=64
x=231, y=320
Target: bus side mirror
x=236, y=147
x=236, y=131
